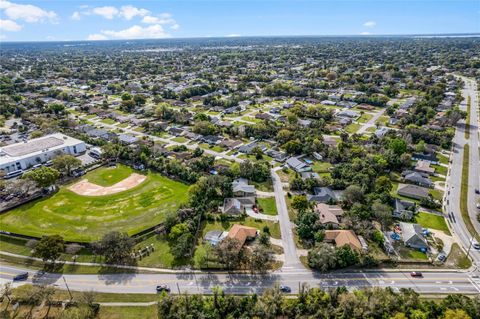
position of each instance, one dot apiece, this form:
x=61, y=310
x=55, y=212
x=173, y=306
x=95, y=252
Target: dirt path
x=85, y=188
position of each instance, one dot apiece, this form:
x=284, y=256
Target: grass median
x=464, y=193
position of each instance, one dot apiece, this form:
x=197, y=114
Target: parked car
x=161, y=288
x=284, y=288
x=416, y=274
x=442, y=257
x=476, y=245
x=77, y=172
x=477, y=191
x=22, y=276
x=13, y=174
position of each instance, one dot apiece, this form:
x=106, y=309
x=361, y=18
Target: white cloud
x=370, y=24
x=175, y=26
x=163, y=18
x=107, y=12
x=128, y=12
x=9, y=25
x=26, y=12
x=76, y=16
x=155, y=31
x=232, y=35
x=96, y=37
x=2, y=36
x=365, y=33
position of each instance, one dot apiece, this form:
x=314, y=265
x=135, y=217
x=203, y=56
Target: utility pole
x=470, y=246
x=68, y=289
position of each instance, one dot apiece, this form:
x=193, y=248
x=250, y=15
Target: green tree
x=49, y=248
x=322, y=257
x=44, y=176
x=260, y=259
x=300, y=203
x=116, y=247
x=182, y=247
x=66, y=163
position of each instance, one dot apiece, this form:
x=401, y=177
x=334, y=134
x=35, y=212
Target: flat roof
x=36, y=146
x=32, y=146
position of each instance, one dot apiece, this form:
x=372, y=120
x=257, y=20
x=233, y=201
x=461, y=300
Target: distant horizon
x=413, y=35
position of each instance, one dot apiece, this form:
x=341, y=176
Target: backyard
x=87, y=218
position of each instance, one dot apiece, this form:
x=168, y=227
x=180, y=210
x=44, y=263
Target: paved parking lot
x=87, y=159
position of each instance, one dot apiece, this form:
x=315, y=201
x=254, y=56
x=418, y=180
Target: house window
x=75, y=149
x=18, y=165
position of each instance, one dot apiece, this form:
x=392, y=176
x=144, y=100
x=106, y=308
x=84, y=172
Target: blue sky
x=44, y=20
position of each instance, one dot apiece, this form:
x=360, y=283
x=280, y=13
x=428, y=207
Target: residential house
x=175, y=131
x=277, y=155
x=322, y=195
x=236, y=206
x=343, y=238
x=403, y=209
x=329, y=214
x=412, y=236
x=297, y=165
x=241, y=188
x=211, y=139
x=263, y=116
x=424, y=167
x=242, y=233
x=127, y=139
x=412, y=191
x=428, y=157
x=230, y=144
x=417, y=178
x=247, y=149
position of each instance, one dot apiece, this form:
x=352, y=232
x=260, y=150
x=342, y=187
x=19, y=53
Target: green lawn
x=123, y=125
x=107, y=176
x=108, y=121
x=352, y=128
x=443, y=159
x=247, y=221
x=440, y=169
x=437, y=194
x=180, y=139
x=84, y=218
x=432, y=221
x=268, y=205
x=365, y=118
x=129, y=312
x=321, y=167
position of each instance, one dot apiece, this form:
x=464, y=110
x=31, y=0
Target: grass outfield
x=84, y=218
x=108, y=176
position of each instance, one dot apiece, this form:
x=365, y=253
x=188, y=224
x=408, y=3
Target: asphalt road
x=454, y=178
x=292, y=262
x=430, y=283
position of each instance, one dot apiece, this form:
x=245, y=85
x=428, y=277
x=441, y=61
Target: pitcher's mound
x=85, y=188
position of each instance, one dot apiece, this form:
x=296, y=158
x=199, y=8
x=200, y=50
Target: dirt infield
x=85, y=188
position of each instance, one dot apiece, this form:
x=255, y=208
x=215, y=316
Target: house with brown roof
x=329, y=214
x=242, y=233
x=342, y=238
x=424, y=167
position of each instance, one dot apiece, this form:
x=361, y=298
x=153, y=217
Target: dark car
x=284, y=288
x=161, y=288
x=416, y=274
x=477, y=191
x=22, y=276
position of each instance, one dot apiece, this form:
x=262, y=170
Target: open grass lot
x=130, y=312
x=84, y=218
x=108, y=121
x=267, y=205
x=365, y=118
x=432, y=221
